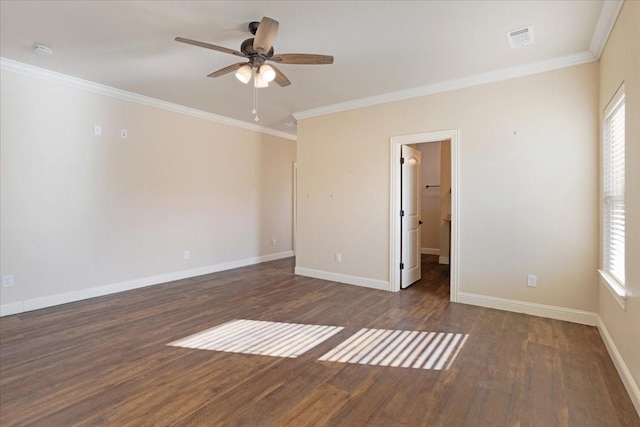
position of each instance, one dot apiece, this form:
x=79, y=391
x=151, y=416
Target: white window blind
x=614, y=188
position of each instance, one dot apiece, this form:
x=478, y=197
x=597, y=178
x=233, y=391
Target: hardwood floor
x=106, y=361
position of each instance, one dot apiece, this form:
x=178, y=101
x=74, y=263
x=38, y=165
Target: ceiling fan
x=259, y=50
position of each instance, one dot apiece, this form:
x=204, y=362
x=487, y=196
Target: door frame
x=294, y=221
x=394, y=211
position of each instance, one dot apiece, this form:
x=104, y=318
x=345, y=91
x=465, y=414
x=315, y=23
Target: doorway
x=395, y=206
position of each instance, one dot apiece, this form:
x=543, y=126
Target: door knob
x=419, y=222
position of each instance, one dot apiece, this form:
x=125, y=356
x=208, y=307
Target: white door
x=411, y=266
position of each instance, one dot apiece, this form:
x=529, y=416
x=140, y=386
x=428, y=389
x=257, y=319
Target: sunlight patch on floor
x=406, y=349
x=260, y=337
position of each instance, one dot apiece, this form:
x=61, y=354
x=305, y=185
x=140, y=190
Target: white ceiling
x=380, y=47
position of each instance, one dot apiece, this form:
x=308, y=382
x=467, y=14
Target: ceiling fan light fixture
x=244, y=73
x=267, y=73
x=259, y=82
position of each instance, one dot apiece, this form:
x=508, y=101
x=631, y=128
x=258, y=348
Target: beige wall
x=620, y=62
x=430, y=197
x=528, y=201
x=80, y=211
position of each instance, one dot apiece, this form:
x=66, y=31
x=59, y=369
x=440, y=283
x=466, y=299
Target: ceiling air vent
x=520, y=37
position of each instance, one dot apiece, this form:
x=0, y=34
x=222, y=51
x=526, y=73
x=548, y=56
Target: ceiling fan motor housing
x=253, y=27
x=247, y=48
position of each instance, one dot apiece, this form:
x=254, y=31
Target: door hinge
x=401, y=266
x=402, y=160
x=402, y=213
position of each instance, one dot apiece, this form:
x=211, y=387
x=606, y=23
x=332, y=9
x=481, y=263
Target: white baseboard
x=11, y=308
x=534, y=309
x=343, y=278
x=67, y=297
x=567, y=314
x=430, y=251
x=618, y=361
x=443, y=260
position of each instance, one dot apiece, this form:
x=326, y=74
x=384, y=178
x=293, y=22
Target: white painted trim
x=443, y=260
x=394, y=208
x=343, y=278
x=608, y=15
x=621, y=366
x=52, y=76
x=67, y=297
x=618, y=291
x=449, y=85
x=11, y=308
x=614, y=102
x=430, y=251
x=295, y=206
x=532, y=308
x=566, y=314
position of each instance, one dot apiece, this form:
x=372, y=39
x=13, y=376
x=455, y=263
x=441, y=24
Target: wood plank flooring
x=106, y=361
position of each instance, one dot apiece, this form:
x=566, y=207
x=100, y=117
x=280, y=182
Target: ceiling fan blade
x=280, y=79
x=210, y=46
x=302, y=58
x=265, y=35
x=226, y=70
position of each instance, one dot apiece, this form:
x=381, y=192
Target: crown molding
x=449, y=85
x=608, y=15
x=52, y=76
x=606, y=20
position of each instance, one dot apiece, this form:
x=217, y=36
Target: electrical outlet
x=338, y=257
x=123, y=133
x=97, y=130
x=187, y=254
x=532, y=280
x=273, y=241
x=7, y=280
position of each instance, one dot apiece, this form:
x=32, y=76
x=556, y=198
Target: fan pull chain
x=255, y=100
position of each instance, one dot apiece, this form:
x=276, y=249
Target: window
x=613, y=185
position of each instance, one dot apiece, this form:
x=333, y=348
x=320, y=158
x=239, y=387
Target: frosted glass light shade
x=259, y=81
x=267, y=73
x=244, y=73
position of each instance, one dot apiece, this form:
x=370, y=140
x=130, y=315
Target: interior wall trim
x=606, y=20
x=608, y=15
x=430, y=251
x=621, y=367
x=566, y=314
x=343, y=278
x=455, y=84
x=395, y=147
x=67, y=297
x=52, y=76
x=534, y=309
